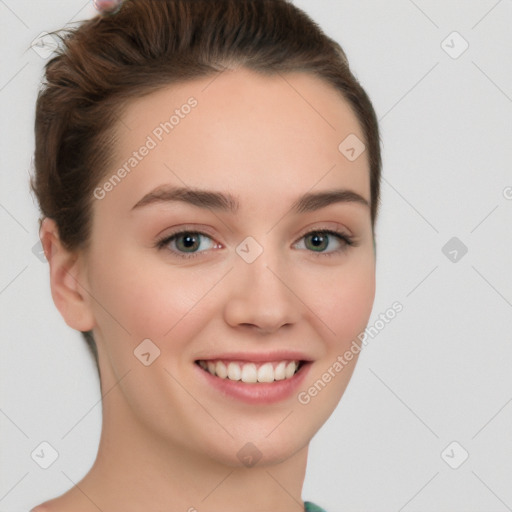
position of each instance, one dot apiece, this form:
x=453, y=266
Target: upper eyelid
x=332, y=226
x=307, y=231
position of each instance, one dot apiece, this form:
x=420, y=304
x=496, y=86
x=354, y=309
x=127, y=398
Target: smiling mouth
x=249, y=372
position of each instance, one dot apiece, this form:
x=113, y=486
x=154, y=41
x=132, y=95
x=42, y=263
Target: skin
x=168, y=441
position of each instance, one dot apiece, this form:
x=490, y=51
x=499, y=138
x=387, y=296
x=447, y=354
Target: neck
x=135, y=470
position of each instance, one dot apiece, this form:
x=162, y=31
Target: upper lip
x=281, y=355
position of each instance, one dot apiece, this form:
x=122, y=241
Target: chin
x=257, y=448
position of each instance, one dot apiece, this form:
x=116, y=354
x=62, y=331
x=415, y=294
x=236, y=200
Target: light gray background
x=439, y=372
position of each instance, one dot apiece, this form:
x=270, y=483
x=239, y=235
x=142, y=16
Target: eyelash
x=347, y=240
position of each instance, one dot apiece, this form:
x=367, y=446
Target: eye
x=189, y=244
x=186, y=244
x=321, y=239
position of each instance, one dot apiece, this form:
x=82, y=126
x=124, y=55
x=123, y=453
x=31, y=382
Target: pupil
x=189, y=241
x=318, y=240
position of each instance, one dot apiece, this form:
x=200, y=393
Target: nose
x=261, y=296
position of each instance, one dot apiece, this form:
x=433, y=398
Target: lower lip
x=257, y=392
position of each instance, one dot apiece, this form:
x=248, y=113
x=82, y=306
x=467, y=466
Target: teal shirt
x=311, y=507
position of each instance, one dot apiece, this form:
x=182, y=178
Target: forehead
x=239, y=131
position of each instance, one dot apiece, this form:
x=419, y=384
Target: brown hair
x=150, y=44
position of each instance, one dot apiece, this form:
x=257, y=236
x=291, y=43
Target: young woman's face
x=253, y=279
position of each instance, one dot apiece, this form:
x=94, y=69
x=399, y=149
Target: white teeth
x=266, y=373
x=279, y=373
x=250, y=372
x=290, y=369
x=234, y=371
x=220, y=370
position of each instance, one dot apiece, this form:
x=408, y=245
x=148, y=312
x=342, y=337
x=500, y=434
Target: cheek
x=343, y=300
x=136, y=300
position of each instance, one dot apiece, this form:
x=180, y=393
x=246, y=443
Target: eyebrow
x=226, y=202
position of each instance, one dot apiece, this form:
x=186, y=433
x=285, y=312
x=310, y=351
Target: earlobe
x=67, y=280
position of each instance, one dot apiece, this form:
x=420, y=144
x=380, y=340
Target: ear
x=67, y=279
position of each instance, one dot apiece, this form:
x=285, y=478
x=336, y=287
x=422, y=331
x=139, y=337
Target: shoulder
x=49, y=506
x=311, y=507
x=67, y=502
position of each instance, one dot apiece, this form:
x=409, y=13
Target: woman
x=208, y=175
